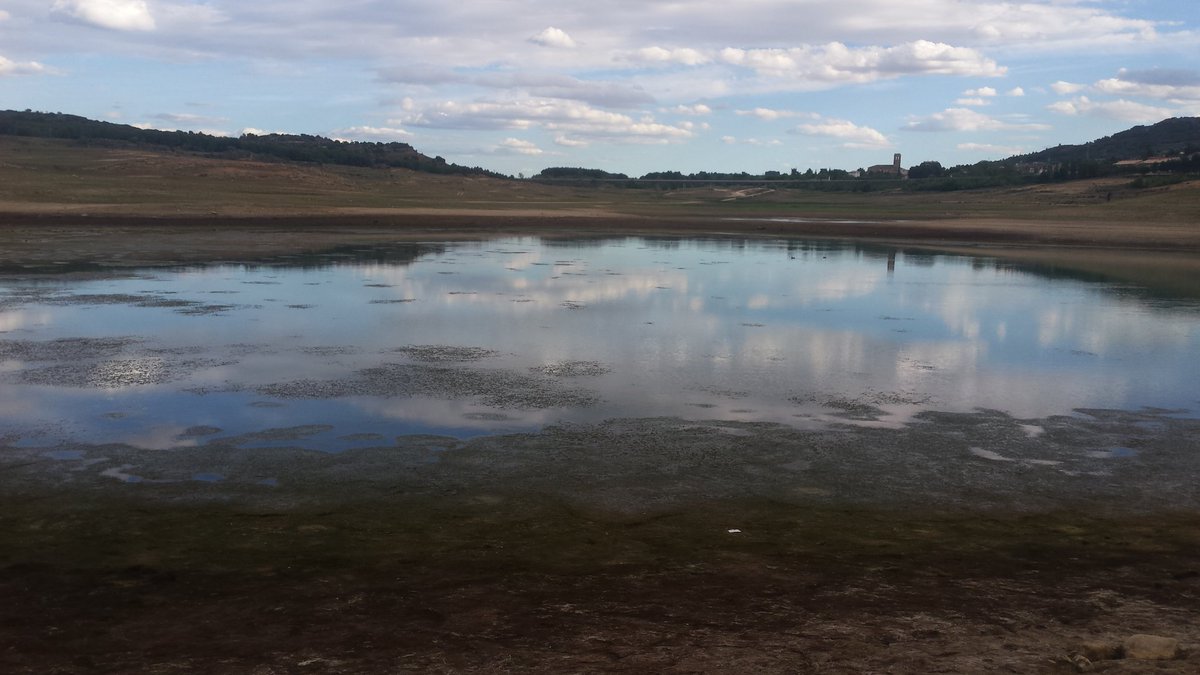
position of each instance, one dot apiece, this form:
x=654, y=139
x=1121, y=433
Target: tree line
x=286, y=147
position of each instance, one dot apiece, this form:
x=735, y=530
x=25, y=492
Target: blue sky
x=623, y=85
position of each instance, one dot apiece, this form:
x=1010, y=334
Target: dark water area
x=357, y=346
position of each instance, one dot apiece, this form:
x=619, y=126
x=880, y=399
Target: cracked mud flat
x=632, y=545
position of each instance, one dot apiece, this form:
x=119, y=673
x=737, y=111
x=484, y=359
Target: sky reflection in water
x=796, y=332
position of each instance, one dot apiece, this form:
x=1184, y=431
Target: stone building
x=892, y=169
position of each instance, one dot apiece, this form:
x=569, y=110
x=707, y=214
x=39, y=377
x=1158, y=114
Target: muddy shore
x=356, y=223
x=638, y=545
x=958, y=543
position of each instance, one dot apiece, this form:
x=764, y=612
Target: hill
x=286, y=147
x=1168, y=137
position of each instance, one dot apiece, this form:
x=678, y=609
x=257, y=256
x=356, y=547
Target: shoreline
x=37, y=244
x=947, y=230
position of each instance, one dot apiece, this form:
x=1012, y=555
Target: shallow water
x=355, y=347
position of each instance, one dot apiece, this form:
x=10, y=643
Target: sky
x=629, y=86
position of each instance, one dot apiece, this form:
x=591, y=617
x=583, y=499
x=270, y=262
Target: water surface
x=355, y=347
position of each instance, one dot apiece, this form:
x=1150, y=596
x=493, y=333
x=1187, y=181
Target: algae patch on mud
x=493, y=387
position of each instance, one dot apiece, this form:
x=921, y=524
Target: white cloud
x=566, y=117
x=729, y=140
x=981, y=92
x=4, y=16
x=655, y=55
x=1123, y=110
x=157, y=127
x=853, y=135
x=553, y=37
x=252, y=131
x=9, y=67
x=965, y=119
x=368, y=133
x=992, y=150
x=532, y=83
x=131, y=15
x=698, y=109
x=1015, y=91
x=971, y=101
x=1177, y=93
x=568, y=142
x=190, y=120
x=519, y=147
x=770, y=114
x=1063, y=88
x=837, y=63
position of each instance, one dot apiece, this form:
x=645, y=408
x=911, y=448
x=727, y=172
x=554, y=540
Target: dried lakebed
x=631, y=454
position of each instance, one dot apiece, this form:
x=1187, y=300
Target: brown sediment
x=631, y=546
x=1165, y=258
x=532, y=585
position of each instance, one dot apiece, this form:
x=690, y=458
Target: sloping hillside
x=1172, y=136
x=288, y=147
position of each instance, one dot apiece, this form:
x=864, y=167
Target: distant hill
x=1168, y=137
x=287, y=147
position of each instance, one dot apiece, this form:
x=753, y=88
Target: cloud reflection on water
x=680, y=325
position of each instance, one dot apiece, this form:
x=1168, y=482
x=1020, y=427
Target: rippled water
x=355, y=347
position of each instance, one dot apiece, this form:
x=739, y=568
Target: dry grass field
x=59, y=178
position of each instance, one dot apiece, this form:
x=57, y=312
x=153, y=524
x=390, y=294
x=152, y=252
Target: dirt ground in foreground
x=363, y=588
x=638, y=546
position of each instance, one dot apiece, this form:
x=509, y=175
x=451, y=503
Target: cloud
x=853, y=135
x=1015, y=91
x=568, y=142
x=9, y=67
x=729, y=140
x=4, y=16
x=965, y=119
x=1178, y=77
x=770, y=114
x=1063, y=88
x=1123, y=110
x=517, y=146
x=982, y=92
x=251, y=131
x=567, y=117
x=971, y=101
x=126, y=15
x=553, y=37
x=837, y=63
x=366, y=133
x=992, y=150
x=535, y=84
x=698, y=109
x=658, y=55
x=1177, y=86
x=482, y=34
x=189, y=120
x=157, y=127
